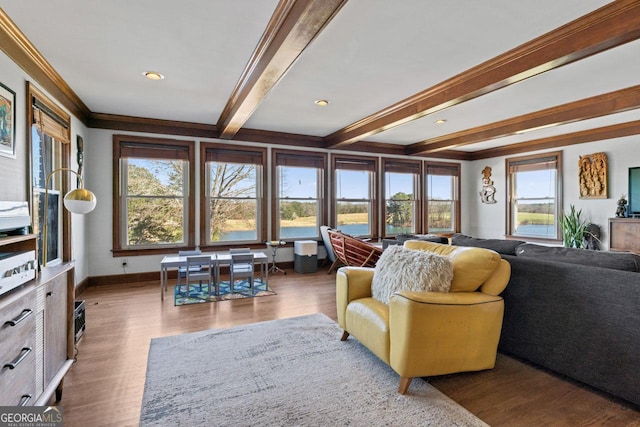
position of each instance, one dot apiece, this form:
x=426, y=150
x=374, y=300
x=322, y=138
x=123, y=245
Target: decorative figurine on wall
x=488, y=192
x=592, y=172
x=621, y=212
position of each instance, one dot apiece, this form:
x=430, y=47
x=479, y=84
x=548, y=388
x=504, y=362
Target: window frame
x=280, y=157
x=123, y=141
x=261, y=198
x=448, y=169
x=358, y=163
x=56, y=123
x=532, y=160
x=404, y=166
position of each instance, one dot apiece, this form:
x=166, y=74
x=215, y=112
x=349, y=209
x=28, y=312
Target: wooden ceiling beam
x=590, y=135
x=293, y=26
x=588, y=108
x=612, y=25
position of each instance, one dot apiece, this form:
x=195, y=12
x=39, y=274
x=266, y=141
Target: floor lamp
x=79, y=201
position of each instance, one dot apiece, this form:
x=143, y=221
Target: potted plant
x=574, y=228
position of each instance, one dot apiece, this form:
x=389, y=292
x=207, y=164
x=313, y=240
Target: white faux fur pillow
x=400, y=268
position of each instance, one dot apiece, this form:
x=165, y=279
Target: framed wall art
x=7, y=122
x=592, y=175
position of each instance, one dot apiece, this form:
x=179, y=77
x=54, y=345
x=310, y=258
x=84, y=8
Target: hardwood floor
x=105, y=385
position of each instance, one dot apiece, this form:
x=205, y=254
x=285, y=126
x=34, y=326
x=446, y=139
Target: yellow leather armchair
x=425, y=333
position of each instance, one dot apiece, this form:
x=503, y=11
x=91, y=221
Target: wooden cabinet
x=18, y=348
x=624, y=234
x=55, y=337
x=36, y=332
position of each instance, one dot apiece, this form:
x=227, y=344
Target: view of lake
x=536, y=230
x=306, y=232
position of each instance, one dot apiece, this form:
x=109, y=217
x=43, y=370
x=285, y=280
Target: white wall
x=14, y=172
x=488, y=221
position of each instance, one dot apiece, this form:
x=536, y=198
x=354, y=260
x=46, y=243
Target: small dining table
x=219, y=258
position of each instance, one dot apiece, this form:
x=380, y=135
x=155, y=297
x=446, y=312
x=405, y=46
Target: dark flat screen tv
x=634, y=193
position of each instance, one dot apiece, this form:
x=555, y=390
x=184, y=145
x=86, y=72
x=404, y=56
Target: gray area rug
x=289, y=372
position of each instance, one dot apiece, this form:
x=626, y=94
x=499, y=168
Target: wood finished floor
x=104, y=387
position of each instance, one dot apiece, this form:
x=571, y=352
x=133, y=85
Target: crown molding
x=16, y=45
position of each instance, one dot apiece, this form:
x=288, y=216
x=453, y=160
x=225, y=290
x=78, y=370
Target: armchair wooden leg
x=345, y=335
x=404, y=385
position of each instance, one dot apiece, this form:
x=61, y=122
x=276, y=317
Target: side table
x=274, y=245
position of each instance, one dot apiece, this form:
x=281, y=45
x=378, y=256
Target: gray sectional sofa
x=573, y=311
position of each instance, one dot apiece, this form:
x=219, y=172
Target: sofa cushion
x=471, y=266
x=502, y=246
x=613, y=260
x=400, y=268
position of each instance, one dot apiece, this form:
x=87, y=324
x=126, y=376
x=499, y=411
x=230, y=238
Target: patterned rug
x=199, y=295
x=289, y=372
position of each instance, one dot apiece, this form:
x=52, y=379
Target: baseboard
x=82, y=286
x=119, y=279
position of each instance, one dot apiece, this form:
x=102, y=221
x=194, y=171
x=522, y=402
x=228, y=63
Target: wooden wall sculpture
x=592, y=173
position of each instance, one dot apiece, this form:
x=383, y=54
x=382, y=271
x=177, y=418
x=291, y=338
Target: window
x=401, y=193
x=355, y=189
x=233, y=206
x=153, y=200
x=443, y=197
x=299, y=181
x=49, y=149
x=534, y=190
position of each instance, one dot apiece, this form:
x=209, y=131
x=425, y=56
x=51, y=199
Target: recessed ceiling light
x=321, y=102
x=153, y=75
x=441, y=121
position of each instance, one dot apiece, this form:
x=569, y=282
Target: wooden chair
x=352, y=251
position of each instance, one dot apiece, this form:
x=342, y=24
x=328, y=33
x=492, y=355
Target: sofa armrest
x=351, y=283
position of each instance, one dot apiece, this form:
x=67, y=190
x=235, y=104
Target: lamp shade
x=80, y=201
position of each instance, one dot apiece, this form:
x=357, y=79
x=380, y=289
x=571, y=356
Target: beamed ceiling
x=507, y=76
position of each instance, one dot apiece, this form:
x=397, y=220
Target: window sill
x=534, y=239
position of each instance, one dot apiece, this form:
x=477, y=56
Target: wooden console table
x=624, y=234
x=36, y=332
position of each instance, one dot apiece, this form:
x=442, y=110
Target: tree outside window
x=233, y=202
x=153, y=195
x=298, y=186
x=156, y=201
x=401, y=191
x=443, y=187
x=232, y=209
x=355, y=190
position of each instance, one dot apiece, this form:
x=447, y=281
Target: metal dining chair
x=242, y=266
x=201, y=269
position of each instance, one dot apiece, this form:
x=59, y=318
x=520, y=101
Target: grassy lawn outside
x=535, y=218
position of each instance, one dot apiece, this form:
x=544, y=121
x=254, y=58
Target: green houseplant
x=574, y=228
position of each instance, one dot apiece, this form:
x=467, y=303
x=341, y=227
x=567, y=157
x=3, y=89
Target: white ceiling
x=372, y=54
